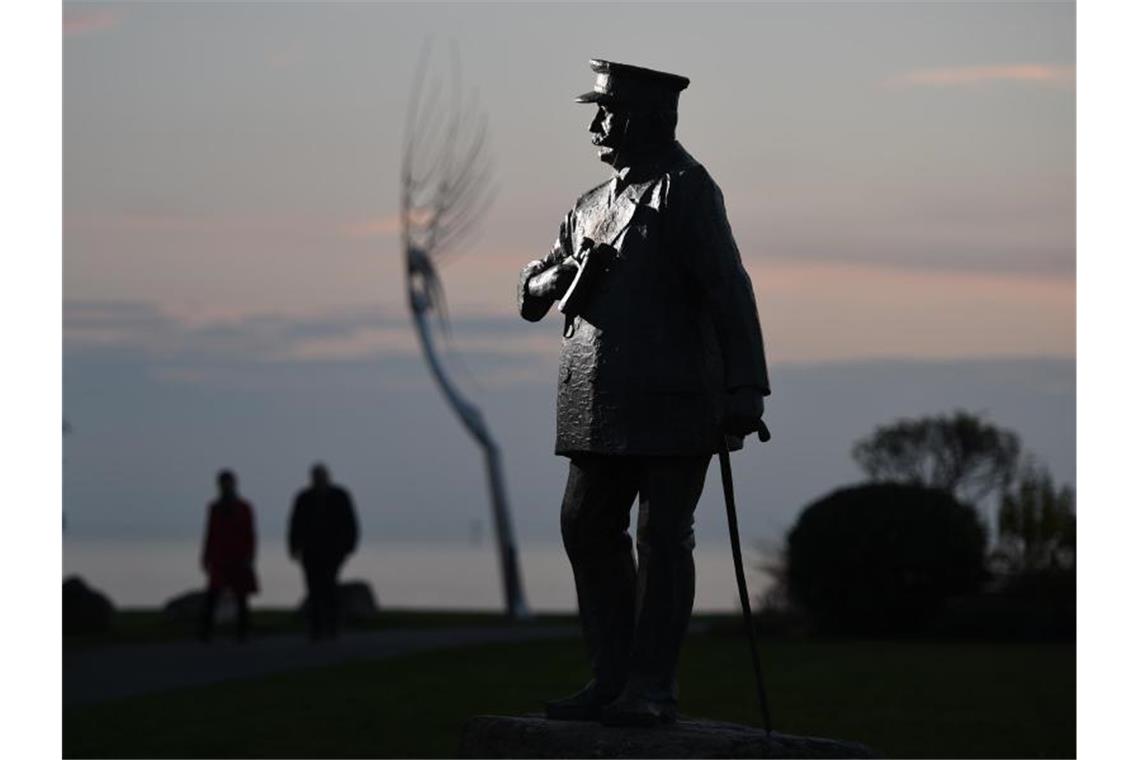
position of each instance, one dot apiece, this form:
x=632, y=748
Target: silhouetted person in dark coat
x=322, y=533
x=227, y=554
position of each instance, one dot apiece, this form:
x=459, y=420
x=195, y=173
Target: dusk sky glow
x=900, y=179
x=230, y=161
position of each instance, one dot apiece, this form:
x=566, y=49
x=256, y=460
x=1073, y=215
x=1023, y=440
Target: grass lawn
x=144, y=625
x=905, y=699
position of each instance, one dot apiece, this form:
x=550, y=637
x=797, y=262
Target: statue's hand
x=552, y=283
x=744, y=409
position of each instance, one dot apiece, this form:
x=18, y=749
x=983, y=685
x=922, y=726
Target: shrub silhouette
x=85, y=610
x=883, y=557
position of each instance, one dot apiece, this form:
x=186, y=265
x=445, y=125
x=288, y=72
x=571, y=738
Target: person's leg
x=334, y=599
x=669, y=488
x=595, y=525
x=206, y=614
x=312, y=595
x=242, y=601
x=323, y=594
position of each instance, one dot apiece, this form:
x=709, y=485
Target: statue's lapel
x=608, y=220
x=637, y=206
x=623, y=209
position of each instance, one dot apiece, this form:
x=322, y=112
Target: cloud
x=382, y=226
x=89, y=21
x=814, y=311
x=187, y=349
x=285, y=57
x=1047, y=75
x=163, y=333
x=988, y=224
x=137, y=221
x=359, y=343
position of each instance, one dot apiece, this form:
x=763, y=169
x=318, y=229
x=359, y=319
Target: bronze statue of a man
x=662, y=358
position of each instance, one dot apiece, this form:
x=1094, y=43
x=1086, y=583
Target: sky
x=900, y=180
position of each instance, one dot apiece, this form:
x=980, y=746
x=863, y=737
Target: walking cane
x=738, y=564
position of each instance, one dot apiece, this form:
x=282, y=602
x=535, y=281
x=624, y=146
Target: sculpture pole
x=473, y=421
x=438, y=206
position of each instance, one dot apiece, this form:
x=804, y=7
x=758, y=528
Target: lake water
x=410, y=575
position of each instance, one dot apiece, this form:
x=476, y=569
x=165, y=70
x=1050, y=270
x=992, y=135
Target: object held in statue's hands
x=594, y=261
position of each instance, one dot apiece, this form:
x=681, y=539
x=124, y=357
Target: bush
x=1038, y=605
x=85, y=610
x=883, y=557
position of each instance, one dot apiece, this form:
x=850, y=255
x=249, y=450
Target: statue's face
x=609, y=130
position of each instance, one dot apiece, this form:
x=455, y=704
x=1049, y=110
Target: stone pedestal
x=535, y=736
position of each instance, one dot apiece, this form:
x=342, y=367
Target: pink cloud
x=827, y=311
x=145, y=221
x=88, y=21
x=382, y=226
x=385, y=226
x=961, y=76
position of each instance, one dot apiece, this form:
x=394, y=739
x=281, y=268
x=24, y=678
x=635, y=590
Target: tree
x=960, y=454
x=1037, y=524
x=883, y=557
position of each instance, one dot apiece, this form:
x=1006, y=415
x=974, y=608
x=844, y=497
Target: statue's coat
x=672, y=326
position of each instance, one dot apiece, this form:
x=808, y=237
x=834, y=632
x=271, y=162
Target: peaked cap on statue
x=622, y=84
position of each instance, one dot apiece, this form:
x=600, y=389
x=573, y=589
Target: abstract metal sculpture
x=444, y=190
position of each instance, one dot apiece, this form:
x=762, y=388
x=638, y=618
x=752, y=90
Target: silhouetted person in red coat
x=322, y=533
x=227, y=554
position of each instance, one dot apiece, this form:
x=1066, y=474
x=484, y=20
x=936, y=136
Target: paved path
x=97, y=674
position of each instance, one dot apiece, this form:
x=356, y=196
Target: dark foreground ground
x=905, y=699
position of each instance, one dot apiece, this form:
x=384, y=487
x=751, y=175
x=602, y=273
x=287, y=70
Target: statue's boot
x=587, y=704
x=634, y=709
